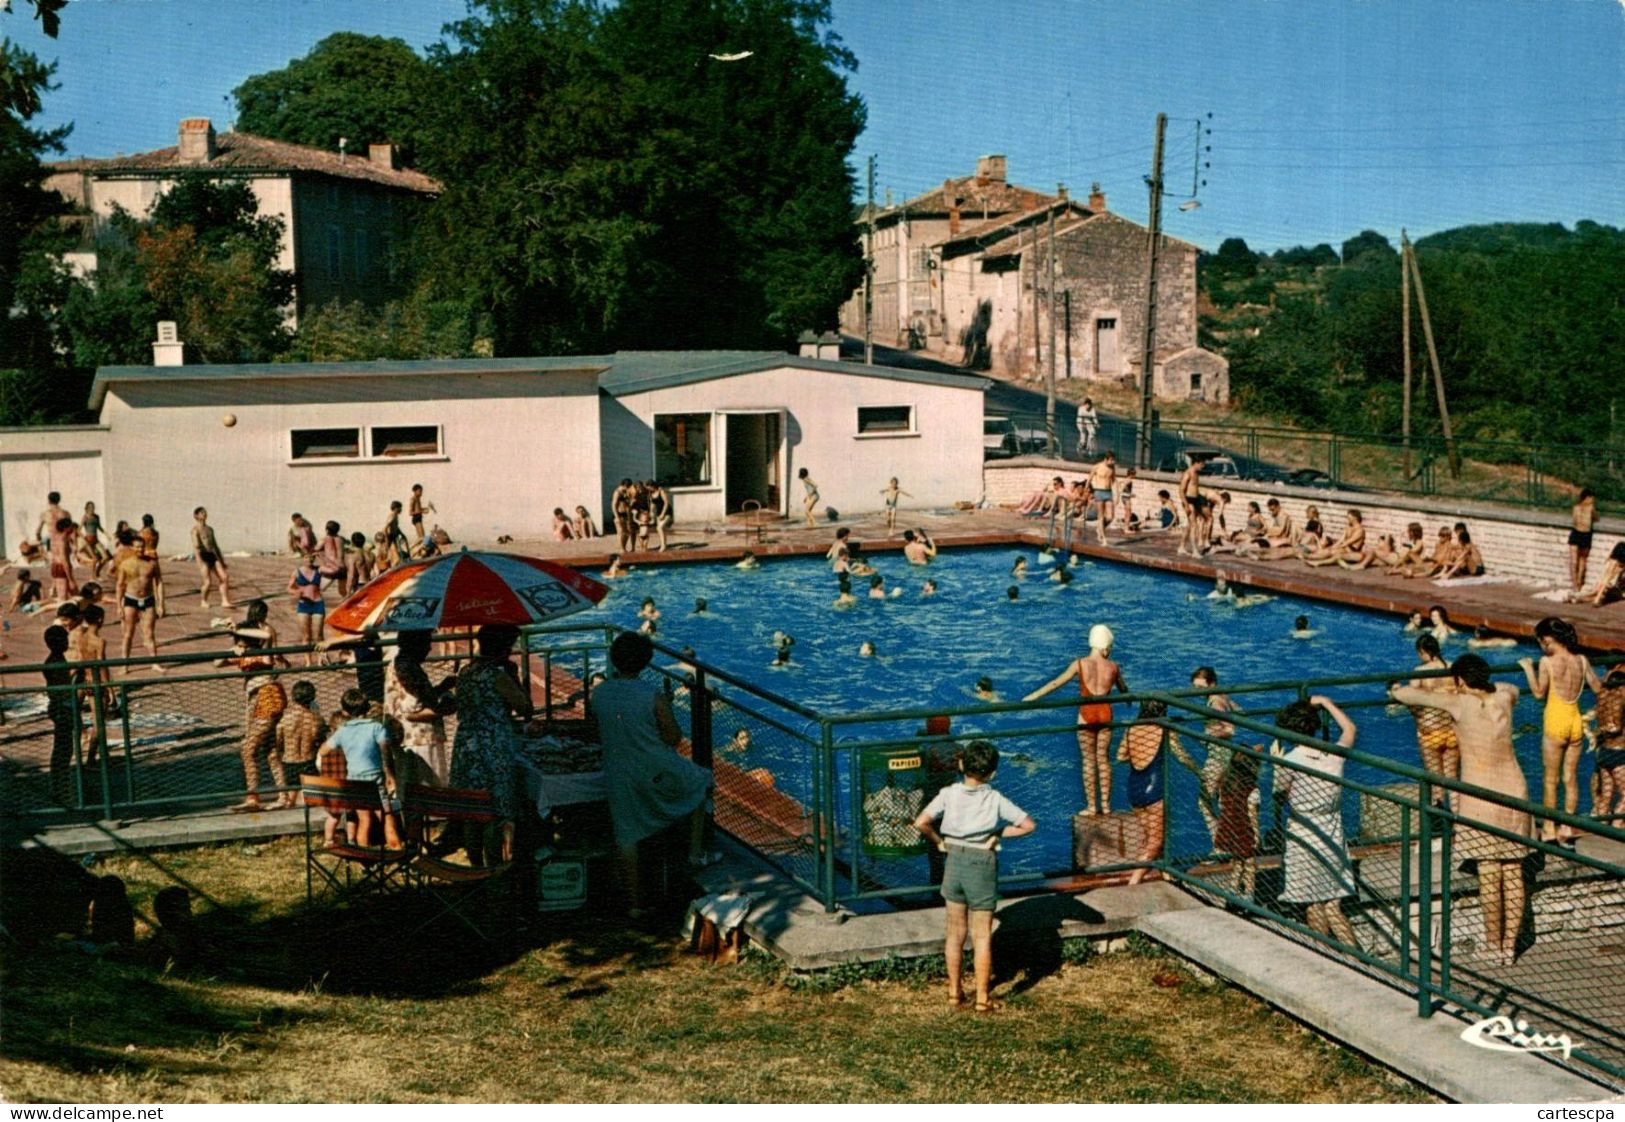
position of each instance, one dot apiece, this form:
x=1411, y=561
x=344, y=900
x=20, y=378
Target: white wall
x=939, y=464
x=35, y=462
x=516, y=445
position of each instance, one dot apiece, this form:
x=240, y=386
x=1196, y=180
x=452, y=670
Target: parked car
x=1306, y=477
x=1216, y=465
x=998, y=438
x=1002, y=438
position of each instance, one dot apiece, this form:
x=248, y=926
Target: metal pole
x=1424, y=903
x=1405, y=342
x=1049, y=385
x=1066, y=309
x=824, y=813
x=1149, y=354
x=869, y=275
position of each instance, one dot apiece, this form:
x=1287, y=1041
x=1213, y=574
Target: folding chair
x=454, y=887
x=344, y=869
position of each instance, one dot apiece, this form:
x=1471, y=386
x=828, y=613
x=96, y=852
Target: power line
x=1420, y=147
x=1426, y=167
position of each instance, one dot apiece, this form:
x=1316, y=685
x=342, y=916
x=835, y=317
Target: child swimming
x=1302, y=630
x=929, y=588
x=866, y=649
x=748, y=561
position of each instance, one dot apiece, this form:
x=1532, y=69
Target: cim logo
x=1503, y=1034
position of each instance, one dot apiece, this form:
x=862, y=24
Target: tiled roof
x=974, y=195
x=1016, y=242
x=244, y=152
x=620, y=374
x=993, y=225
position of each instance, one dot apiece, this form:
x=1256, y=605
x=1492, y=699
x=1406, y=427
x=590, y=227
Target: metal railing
x=829, y=798
x=1543, y=476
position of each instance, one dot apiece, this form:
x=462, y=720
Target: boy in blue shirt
x=973, y=818
x=365, y=745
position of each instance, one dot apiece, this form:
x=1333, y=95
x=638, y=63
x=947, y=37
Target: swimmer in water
x=1440, y=619
x=740, y=742
x=1244, y=599
x=1483, y=639
x=1416, y=621
x=748, y=561
x=1221, y=588
x=782, y=658
x=866, y=649
x=1062, y=576
x=1046, y=556
x=1019, y=569
x=984, y=689
x=700, y=605
x=1012, y=593
x=844, y=599
x=877, y=587
x=616, y=570
x=647, y=609
x=928, y=589
x=1302, y=630
x=649, y=627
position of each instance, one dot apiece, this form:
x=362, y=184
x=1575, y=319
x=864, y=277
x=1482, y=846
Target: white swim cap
x=1101, y=638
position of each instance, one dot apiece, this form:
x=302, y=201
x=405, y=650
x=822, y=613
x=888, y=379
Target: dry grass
x=599, y=1013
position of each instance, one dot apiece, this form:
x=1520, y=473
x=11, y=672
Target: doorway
x=755, y=441
x=1106, y=361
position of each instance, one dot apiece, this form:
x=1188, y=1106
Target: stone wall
x=1530, y=546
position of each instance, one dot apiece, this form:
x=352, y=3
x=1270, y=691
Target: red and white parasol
x=466, y=589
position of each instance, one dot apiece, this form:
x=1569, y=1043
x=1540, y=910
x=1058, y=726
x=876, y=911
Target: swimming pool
x=931, y=650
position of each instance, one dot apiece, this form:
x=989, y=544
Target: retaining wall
x=1529, y=545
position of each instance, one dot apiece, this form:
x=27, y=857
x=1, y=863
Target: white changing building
x=496, y=443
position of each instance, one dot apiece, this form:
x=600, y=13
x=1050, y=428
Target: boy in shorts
x=299, y=733
x=366, y=760
x=973, y=818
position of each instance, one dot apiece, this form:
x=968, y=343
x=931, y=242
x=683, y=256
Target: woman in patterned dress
x=485, y=750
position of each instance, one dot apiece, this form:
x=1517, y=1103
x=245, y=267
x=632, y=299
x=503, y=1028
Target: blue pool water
x=932, y=650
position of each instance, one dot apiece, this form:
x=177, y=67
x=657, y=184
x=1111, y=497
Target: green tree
x=364, y=88
x=33, y=237
x=1234, y=260
x=206, y=259
x=611, y=184
x=417, y=326
x=1366, y=241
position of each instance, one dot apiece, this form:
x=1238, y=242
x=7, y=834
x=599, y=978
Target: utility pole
x=1049, y=384
x=869, y=275
x=1405, y=341
x=1433, y=360
x=1149, y=356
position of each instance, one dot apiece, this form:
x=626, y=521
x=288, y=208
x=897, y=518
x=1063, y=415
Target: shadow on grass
x=202, y=991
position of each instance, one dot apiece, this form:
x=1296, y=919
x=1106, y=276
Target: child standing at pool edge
x=973, y=818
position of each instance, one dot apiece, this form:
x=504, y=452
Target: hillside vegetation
x=1529, y=321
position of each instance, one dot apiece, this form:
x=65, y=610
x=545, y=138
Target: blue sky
x=1329, y=116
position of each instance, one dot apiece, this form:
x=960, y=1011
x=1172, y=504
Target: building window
x=326, y=444
x=406, y=440
x=1196, y=383
x=683, y=449
x=877, y=419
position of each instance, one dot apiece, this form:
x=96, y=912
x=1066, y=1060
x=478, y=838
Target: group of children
x=566, y=528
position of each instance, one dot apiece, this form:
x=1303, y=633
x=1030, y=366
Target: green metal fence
x=1545, y=476
x=828, y=799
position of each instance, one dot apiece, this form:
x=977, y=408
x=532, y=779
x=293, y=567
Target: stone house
x=997, y=301
x=907, y=304
x=342, y=215
x=982, y=297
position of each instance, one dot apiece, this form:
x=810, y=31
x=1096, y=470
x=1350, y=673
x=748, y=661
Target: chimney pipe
x=1097, y=199
x=381, y=154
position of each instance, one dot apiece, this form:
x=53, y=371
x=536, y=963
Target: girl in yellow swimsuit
x=1435, y=729
x=1563, y=671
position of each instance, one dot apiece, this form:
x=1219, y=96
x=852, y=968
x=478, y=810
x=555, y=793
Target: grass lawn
x=291, y=1006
